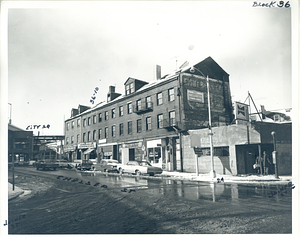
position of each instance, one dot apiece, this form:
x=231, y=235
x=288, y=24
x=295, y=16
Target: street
x=70, y=202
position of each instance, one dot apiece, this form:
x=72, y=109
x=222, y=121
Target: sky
x=58, y=53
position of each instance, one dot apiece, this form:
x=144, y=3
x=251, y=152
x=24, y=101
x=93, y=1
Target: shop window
x=121, y=129
x=139, y=126
x=129, y=127
x=99, y=133
x=113, y=131
x=148, y=124
x=159, y=99
x=121, y=111
x=160, y=119
x=171, y=95
x=129, y=108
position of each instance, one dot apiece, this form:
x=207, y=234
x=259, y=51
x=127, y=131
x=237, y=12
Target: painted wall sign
x=195, y=96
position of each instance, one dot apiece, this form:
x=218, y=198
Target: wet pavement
x=193, y=206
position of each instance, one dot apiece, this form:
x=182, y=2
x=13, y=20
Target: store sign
x=68, y=148
x=241, y=111
x=133, y=145
x=86, y=145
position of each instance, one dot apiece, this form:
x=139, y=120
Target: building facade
x=148, y=122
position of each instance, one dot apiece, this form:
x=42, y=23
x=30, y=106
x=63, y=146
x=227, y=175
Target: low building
x=20, y=145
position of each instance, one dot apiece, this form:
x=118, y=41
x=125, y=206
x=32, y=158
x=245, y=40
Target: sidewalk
x=14, y=193
x=226, y=178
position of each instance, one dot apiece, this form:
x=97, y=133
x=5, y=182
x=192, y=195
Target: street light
x=212, y=172
x=10, y=113
x=274, y=154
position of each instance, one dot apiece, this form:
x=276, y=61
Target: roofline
x=162, y=82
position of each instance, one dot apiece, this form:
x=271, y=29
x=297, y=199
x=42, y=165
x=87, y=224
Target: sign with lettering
x=241, y=111
x=195, y=96
x=86, y=145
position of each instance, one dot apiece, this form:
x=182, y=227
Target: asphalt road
x=69, y=202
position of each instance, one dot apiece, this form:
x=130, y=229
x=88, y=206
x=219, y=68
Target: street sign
x=198, y=151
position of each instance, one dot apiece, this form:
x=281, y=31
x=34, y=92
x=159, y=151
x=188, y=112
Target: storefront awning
x=88, y=151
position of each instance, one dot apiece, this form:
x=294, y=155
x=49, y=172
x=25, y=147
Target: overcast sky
x=58, y=54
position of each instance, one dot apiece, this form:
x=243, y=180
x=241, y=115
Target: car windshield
x=144, y=163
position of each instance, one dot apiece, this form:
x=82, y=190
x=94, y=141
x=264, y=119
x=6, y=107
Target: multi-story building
x=149, y=120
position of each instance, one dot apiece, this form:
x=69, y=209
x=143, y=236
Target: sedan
x=107, y=165
x=140, y=167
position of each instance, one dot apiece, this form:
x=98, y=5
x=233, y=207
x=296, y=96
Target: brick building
x=149, y=121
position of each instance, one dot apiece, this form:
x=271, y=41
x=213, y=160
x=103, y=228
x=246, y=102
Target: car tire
x=137, y=172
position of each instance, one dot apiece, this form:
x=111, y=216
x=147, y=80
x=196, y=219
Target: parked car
x=140, y=167
x=46, y=165
x=62, y=163
x=85, y=165
x=107, y=165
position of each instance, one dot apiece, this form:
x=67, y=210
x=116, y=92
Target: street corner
x=14, y=193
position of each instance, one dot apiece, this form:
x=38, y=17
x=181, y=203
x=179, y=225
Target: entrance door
x=131, y=154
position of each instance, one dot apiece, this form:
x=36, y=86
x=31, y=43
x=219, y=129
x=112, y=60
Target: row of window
x=139, y=105
x=87, y=137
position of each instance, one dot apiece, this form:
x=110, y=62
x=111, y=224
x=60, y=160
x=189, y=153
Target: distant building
x=20, y=145
x=148, y=122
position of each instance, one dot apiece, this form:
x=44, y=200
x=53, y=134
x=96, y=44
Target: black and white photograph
x=149, y=117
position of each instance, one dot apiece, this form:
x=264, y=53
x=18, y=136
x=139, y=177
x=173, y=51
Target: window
x=94, y=119
x=78, y=122
x=72, y=139
x=171, y=95
x=84, y=122
x=148, y=123
x=68, y=126
x=113, y=131
x=89, y=136
x=129, y=108
x=129, y=124
x=73, y=123
x=172, y=118
x=89, y=121
x=139, y=126
x=160, y=119
x=129, y=88
x=78, y=138
x=100, y=117
x=106, y=132
x=121, y=129
x=67, y=140
x=121, y=111
x=106, y=116
x=148, y=102
x=113, y=113
x=159, y=99
x=99, y=133
x=94, y=135
x=83, y=137
x=139, y=104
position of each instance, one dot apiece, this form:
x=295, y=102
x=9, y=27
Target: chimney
x=111, y=95
x=158, y=72
x=263, y=111
x=111, y=89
